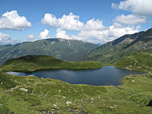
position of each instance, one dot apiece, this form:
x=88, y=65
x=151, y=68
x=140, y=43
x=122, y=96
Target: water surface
x=107, y=75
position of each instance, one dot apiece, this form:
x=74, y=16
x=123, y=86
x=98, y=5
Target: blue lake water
x=107, y=75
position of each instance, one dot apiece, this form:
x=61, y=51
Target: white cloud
x=12, y=20
x=4, y=36
x=93, y=30
x=50, y=19
x=44, y=34
x=106, y=35
x=62, y=34
x=130, y=19
x=71, y=22
x=31, y=36
x=6, y=39
x=93, y=25
x=99, y=36
x=114, y=32
x=142, y=7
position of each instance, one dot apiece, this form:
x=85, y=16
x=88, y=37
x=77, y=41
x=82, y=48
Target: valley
x=30, y=94
x=75, y=57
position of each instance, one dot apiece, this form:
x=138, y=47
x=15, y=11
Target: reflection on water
x=107, y=75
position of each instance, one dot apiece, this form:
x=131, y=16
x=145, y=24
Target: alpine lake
x=107, y=75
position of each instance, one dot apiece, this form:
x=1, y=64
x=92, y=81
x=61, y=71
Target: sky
x=95, y=21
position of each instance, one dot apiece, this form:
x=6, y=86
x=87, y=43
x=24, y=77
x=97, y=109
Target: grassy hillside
x=32, y=95
x=58, y=48
x=111, y=52
x=31, y=63
x=137, y=61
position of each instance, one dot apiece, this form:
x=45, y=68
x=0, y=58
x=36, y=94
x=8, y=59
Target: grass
x=49, y=95
x=138, y=61
x=32, y=95
x=32, y=63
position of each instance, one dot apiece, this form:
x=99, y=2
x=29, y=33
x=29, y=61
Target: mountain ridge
x=75, y=50
x=59, y=48
x=111, y=52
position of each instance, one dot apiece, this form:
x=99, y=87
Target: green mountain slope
x=137, y=61
x=111, y=52
x=59, y=48
x=31, y=63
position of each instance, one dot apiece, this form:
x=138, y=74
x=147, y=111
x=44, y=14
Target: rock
x=64, y=97
x=115, y=106
x=24, y=90
x=133, y=80
x=150, y=103
x=12, y=89
x=92, y=99
x=55, y=105
x=68, y=103
x=111, y=107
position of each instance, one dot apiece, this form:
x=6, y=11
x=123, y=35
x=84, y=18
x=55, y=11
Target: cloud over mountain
x=44, y=34
x=95, y=36
x=6, y=39
x=93, y=30
x=71, y=22
x=12, y=21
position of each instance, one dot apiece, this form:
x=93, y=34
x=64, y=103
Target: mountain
x=30, y=63
x=138, y=61
x=59, y=48
x=74, y=50
x=111, y=52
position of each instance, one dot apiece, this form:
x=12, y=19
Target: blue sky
x=96, y=21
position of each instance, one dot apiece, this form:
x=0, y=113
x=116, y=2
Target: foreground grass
x=32, y=63
x=32, y=95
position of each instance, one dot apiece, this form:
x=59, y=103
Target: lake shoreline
x=106, y=75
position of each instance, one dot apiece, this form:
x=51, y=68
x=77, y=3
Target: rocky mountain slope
x=111, y=52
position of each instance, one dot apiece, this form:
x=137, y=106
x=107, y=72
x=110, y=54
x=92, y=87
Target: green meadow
x=32, y=95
